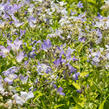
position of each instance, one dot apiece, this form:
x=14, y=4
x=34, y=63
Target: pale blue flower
x=59, y=90
x=80, y=5
x=20, y=57
x=16, y=45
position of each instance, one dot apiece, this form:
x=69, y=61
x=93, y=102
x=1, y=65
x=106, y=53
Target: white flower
x=24, y=97
x=9, y=104
x=12, y=89
x=30, y=9
x=100, y=24
x=107, y=2
x=1, y=88
x=96, y=59
x=30, y=95
x=43, y=68
x=107, y=56
x=1, y=7
x=18, y=99
x=20, y=57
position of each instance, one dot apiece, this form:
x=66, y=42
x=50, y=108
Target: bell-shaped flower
x=75, y=76
x=23, y=97
x=18, y=99
x=20, y=57
x=10, y=70
x=16, y=45
x=46, y=45
x=59, y=90
x=10, y=78
x=43, y=68
x=4, y=51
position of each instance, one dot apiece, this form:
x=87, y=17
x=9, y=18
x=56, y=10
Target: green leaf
x=57, y=106
x=76, y=85
x=104, y=104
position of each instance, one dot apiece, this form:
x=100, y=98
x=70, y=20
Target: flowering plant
x=54, y=54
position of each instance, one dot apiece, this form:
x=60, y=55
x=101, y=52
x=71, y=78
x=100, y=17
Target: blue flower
x=80, y=5
x=20, y=57
x=46, y=44
x=59, y=90
x=16, y=45
x=75, y=76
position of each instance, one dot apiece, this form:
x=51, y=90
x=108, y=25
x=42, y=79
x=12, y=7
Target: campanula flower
x=16, y=45
x=59, y=90
x=80, y=5
x=20, y=57
x=46, y=45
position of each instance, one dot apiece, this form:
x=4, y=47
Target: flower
x=10, y=78
x=1, y=85
x=75, y=76
x=20, y=57
x=43, y=68
x=16, y=45
x=22, y=32
x=68, y=53
x=9, y=104
x=24, y=79
x=57, y=62
x=10, y=70
x=18, y=99
x=79, y=91
x=75, y=59
x=80, y=5
x=4, y=51
x=59, y=90
x=46, y=44
x=32, y=21
x=23, y=97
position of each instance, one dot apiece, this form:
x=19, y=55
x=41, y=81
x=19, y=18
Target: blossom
x=10, y=70
x=18, y=99
x=16, y=45
x=2, y=24
x=57, y=62
x=75, y=76
x=10, y=78
x=1, y=85
x=46, y=44
x=79, y=91
x=4, y=51
x=80, y=5
x=107, y=56
x=32, y=21
x=68, y=53
x=24, y=96
x=20, y=57
x=24, y=79
x=75, y=59
x=9, y=104
x=59, y=90
x=22, y=32
x=43, y=68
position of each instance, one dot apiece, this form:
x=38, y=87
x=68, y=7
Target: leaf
x=76, y=85
x=83, y=74
x=104, y=104
x=38, y=94
x=57, y=106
